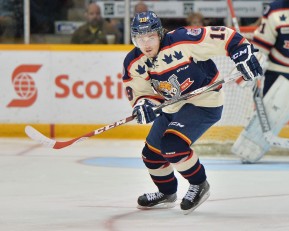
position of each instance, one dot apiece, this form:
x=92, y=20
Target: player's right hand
x=143, y=111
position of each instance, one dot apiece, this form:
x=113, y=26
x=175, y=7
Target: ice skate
x=195, y=196
x=156, y=200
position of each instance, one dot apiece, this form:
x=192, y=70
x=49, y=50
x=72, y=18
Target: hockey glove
x=144, y=112
x=246, y=61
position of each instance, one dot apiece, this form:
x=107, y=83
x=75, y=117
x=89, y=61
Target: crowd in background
x=93, y=29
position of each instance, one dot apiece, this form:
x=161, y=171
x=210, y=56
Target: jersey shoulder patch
x=194, y=31
x=184, y=34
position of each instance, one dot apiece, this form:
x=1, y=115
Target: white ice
x=43, y=189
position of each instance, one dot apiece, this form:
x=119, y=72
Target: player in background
x=164, y=65
x=272, y=38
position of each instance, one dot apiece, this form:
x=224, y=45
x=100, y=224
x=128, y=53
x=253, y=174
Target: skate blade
x=205, y=197
x=167, y=205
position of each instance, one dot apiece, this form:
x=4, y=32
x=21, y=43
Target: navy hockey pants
x=190, y=120
x=169, y=142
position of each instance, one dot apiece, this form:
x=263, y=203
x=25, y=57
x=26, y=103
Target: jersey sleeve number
x=262, y=28
x=216, y=35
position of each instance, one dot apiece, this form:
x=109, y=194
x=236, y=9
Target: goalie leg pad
x=251, y=145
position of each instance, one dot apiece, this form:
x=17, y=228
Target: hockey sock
x=160, y=170
x=178, y=152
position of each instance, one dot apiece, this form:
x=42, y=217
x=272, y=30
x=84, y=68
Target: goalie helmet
x=146, y=22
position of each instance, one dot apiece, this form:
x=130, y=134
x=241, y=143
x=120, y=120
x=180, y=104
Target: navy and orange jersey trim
x=277, y=61
x=179, y=134
x=170, y=69
x=133, y=56
x=234, y=41
x=153, y=149
x=262, y=43
x=276, y=6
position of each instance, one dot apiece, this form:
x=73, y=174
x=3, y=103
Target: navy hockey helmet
x=146, y=22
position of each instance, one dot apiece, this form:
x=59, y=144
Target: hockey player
x=164, y=65
x=272, y=38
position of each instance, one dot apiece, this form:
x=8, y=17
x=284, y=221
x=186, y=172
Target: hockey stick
x=272, y=139
x=44, y=140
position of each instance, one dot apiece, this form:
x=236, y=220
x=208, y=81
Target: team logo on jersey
x=186, y=84
x=286, y=44
x=194, y=31
x=171, y=88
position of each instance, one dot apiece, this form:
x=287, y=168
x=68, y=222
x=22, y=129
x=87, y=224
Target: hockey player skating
x=164, y=65
x=272, y=39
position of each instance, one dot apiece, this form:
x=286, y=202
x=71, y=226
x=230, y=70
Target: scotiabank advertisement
x=62, y=87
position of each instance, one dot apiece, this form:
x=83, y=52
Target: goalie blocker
x=251, y=145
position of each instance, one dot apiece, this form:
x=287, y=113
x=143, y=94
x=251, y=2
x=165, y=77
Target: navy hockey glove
x=144, y=112
x=246, y=61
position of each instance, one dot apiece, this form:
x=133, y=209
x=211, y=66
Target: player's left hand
x=144, y=112
x=246, y=61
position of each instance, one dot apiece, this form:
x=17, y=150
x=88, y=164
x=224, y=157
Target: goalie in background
x=272, y=38
x=163, y=66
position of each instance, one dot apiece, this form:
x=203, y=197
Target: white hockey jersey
x=182, y=65
x=272, y=36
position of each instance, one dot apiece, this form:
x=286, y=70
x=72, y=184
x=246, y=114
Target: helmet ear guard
x=146, y=22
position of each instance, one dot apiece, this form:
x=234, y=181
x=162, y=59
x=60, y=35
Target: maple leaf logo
x=178, y=55
x=168, y=59
x=149, y=63
x=283, y=17
x=141, y=69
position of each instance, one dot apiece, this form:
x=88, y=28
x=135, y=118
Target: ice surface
x=93, y=185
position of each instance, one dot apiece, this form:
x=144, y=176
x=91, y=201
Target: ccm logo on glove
x=240, y=53
x=246, y=62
